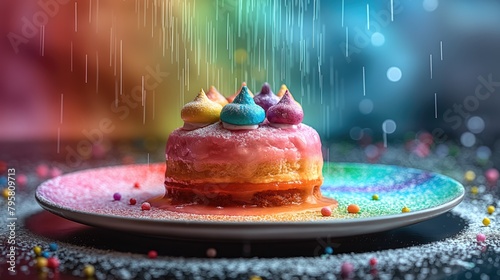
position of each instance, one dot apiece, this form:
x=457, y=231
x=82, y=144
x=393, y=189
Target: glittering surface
x=442, y=247
x=346, y=183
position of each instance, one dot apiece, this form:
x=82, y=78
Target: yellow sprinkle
x=41, y=262
x=474, y=190
x=375, y=197
x=486, y=222
x=469, y=176
x=405, y=209
x=89, y=271
x=5, y=193
x=255, y=277
x=37, y=250
x=490, y=209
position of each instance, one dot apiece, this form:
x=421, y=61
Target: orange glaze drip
x=247, y=210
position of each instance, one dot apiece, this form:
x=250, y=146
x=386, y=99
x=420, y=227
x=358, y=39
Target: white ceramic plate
x=87, y=197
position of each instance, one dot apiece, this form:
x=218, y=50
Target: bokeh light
x=394, y=74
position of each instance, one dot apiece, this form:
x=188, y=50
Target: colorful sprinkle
x=474, y=190
x=41, y=262
x=486, y=222
x=52, y=262
x=37, y=250
x=373, y=262
x=255, y=277
x=22, y=179
x=469, y=176
x=54, y=172
x=328, y=250
x=132, y=201
x=45, y=254
x=490, y=209
x=326, y=211
x=491, y=175
x=346, y=269
x=53, y=247
x=137, y=185
x=42, y=170
x=3, y=166
x=353, y=208
x=480, y=237
x=375, y=197
x=5, y=193
x=145, y=206
x=89, y=271
x=117, y=196
x=211, y=253
x=152, y=254
x=405, y=209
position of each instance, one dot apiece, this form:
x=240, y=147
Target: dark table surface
x=444, y=247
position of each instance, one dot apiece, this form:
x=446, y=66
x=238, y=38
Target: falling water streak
x=97, y=17
x=71, y=57
x=392, y=10
x=144, y=14
x=114, y=60
x=62, y=106
x=111, y=47
x=90, y=11
x=144, y=108
x=58, y=139
x=42, y=40
x=430, y=64
x=142, y=90
x=154, y=103
x=435, y=106
x=347, y=41
x=368, y=16
x=364, y=82
x=86, y=67
x=441, y=49
x=76, y=17
x=121, y=67
x=116, y=93
x=97, y=72
x=342, y=13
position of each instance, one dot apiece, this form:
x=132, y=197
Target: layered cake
x=244, y=153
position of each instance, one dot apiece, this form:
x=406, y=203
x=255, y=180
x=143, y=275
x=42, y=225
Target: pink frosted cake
x=251, y=157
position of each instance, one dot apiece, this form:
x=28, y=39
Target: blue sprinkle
x=328, y=250
x=3, y=181
x=53, y=247
x=45, y=254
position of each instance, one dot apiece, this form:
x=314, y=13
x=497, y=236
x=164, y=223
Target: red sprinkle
x=133, y=201
x=373, y=262
x=22, y=179
x=152, y=254
x=326, y=211
x=52, y=262
x=136, y=185
x=3, y=167
x=42, y=170
x=146, y=206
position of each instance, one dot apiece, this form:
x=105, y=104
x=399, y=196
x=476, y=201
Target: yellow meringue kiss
x=200, y=112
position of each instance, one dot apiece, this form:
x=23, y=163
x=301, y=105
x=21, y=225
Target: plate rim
x=254, y=226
